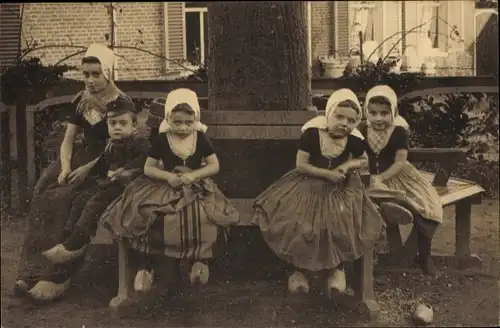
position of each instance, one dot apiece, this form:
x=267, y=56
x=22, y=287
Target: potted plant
x=333, y=66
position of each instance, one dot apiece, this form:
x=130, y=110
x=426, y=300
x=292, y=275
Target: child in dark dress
x=318, y=216
x=387, y=136
x=122, y=160
x=175, y=209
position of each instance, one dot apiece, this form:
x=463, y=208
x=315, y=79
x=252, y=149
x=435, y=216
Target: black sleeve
x=206, y=146
x=139, y=151
x=306, y=142
x=74, y=117
x=158, y=146
x=357, y=146
x=400, y=138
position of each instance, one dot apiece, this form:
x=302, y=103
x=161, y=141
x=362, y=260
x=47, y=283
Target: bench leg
x=394, y=239
x=124, y=278
x=363, y=285
x=463, y=228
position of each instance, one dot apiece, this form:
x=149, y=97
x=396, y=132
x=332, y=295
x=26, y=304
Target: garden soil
x=459, y=298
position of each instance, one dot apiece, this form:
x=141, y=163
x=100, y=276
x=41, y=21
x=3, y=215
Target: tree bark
x=257, y=56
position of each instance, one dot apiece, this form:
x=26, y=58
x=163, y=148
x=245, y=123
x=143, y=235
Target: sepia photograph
x=257, y=164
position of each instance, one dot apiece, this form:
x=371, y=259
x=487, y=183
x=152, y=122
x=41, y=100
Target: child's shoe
x=395, y=214
x=336, y=282
x=297, y=283
x=143, y=281
x=48, y=290
x=59, y=254
x=199, y=273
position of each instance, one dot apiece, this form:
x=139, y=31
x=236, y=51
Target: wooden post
x=124, y=278
x=363, y=284
x=30, y=148
x=5, y=163
x=22, y=151
x=361, y=47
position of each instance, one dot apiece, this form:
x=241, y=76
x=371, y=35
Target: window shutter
x=10, y=36
x=342, y=27
x=392, y=18
x=175, y=31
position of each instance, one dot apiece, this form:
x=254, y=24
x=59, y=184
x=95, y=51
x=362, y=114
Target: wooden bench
x=247, y=144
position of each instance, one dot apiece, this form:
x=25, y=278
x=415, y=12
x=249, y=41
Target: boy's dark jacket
x=130, y=153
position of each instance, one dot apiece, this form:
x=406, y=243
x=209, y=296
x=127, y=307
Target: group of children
x=316, y=217
x=160, y=196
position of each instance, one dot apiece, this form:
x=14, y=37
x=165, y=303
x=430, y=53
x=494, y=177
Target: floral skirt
x=190, y=222
x=315, y=224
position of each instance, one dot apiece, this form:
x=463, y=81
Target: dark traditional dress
x=52, y=204
x=316, y=224
x=408, y=180
x=182, y=223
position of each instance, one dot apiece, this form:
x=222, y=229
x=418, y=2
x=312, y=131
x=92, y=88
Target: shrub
x=439, y=121
x=461, y=120
x=29, y=74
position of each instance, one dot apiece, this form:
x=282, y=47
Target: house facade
x=440, y=32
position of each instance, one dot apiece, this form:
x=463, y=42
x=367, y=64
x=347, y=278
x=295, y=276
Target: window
x=196, y=33
x=369, y=33
x=363, y=21
x=430, y=11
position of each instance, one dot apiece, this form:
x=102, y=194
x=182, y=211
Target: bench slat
x=455, y=190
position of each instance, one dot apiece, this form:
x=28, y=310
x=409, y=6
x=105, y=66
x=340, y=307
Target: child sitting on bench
x=319, y=216
x=176, y=210
x=388, y=141
x=122, y=161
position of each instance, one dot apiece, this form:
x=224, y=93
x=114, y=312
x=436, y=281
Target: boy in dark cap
x=122, y=161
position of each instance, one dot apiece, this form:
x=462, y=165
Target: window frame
x=200, y=11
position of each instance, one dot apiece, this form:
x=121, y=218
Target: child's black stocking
x=146, y=261
x=76, y=240
x=426, y=230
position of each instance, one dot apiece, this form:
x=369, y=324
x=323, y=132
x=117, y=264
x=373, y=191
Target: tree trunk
x=258, y=56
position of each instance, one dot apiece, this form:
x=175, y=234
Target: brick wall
x=323, y=31
x=85, y=23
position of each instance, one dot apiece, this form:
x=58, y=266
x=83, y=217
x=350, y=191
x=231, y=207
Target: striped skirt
x=186, y=223
x=315, y=224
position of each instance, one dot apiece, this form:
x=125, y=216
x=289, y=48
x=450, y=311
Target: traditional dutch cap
x=105, y=55
x=389, y=94
x=336, y=98
x=182, y=96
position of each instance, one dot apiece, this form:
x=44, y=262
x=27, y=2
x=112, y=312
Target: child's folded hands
x=335, y=176
x=187, y=178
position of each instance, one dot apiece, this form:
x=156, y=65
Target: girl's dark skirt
x=315, y=224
